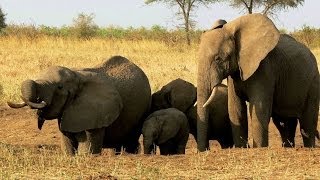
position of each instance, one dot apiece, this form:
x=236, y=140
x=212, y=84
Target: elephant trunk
x=29, y=90
x=208, y=79
x=202, y=120
x=148, y=146
x=29, y=94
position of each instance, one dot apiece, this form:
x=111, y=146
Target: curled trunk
x=29, y=91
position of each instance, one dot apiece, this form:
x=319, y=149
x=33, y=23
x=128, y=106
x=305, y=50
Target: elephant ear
x=255, y=36
x=97, y=105
x=182, y=95
x=167, y=127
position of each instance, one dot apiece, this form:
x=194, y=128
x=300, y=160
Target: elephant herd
x=110, y=105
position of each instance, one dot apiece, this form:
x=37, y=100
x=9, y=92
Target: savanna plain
x=28, y=153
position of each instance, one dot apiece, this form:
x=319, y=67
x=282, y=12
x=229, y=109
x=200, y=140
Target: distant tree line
x=84, y=27
x=308, y=35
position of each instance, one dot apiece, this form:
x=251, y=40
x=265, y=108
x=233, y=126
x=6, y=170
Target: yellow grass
x=21, y=59
x=28, y=153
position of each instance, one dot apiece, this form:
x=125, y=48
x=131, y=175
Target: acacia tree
x=2, y=20
x=265, y=6
x=84, y=26
x=186, y=9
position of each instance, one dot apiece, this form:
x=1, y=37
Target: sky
x=135, y=13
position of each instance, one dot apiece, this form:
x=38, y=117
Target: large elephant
x=168, y=129
x=182, y=95
x=277, y=75
x=101, y=107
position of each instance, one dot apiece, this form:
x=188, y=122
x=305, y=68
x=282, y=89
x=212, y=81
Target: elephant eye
x=60, y=86
x=218, y=59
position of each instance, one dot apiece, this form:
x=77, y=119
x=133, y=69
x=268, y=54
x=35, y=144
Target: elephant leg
x=287, y=129
x=69, y=144
x=237, y=109
x=90, y=141
x=309, y=119
x=132, y=144
x=182, y=143
x=226, y=141
x=260, y=112
x=133, y=147
x=168, y=148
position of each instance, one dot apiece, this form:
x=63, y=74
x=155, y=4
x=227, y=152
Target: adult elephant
x=277, y=75
x=182, y=95
x=96, y=107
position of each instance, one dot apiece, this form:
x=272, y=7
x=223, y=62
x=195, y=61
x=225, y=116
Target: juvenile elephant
x=182, y=95
x=168, y=129
x=277, y=75
x=95, y=107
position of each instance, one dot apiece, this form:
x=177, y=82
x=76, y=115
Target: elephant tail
x=317, y=135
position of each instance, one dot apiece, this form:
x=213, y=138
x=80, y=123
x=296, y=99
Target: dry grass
x=27, y=153
x=21, y=59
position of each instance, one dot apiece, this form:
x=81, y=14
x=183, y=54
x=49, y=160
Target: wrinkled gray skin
x=182, y=95
x=168, y=129
x=101, y=107
x=277, y=75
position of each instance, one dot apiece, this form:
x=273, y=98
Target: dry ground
x=27, y=153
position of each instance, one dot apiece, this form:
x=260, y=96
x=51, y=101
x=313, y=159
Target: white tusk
x=195, y=104
x=16, y=105
x=211, y=97
x=40, y=105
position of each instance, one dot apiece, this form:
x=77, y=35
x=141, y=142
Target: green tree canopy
x=264, y=6
x=186, y=9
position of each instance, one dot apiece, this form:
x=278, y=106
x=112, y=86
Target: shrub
x=309, y=36
x=2, y=20
x=84, y=26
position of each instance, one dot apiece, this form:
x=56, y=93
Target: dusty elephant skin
x=182, y=95
x=277, y=75
x=168, y=129
x=95, y=107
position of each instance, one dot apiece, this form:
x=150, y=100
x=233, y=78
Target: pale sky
x=135, y=13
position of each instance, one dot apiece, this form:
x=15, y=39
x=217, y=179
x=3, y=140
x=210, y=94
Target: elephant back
x=134, y=89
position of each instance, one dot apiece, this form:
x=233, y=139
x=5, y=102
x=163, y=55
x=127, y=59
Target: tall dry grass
x=24, y=58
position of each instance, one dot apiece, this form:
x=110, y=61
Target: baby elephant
x=168, y=129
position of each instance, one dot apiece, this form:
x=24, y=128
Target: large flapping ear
x=98, y=104
x=183, y=94
x=255, y=36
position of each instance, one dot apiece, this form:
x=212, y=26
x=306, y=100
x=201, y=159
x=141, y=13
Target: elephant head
x=80, y=100
x=218, y=24
x=177, y=94
x=150, y=131
x=236, y=49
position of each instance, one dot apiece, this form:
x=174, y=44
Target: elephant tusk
x=195, y=104
x=40, y=105
x=211, y=97
x=16, y=105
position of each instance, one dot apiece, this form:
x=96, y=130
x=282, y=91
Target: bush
x=309, y=36
x=2, y=20
x=22, y=31
x=84, y=26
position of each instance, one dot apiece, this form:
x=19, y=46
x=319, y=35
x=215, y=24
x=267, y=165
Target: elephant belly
x=296, y=70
